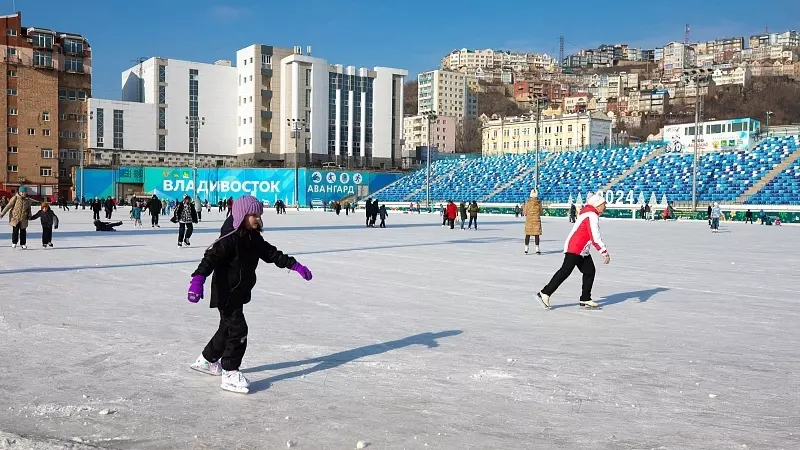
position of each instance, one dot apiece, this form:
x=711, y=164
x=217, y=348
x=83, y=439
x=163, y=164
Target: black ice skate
x=187, y=243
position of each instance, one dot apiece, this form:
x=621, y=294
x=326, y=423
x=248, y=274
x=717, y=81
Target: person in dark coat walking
x=96, y=207
x=462, y=210
x=374, y=216
x=383, y=214
x=109, y=207
x=49, y=220
x=154, y=206
x=473, y=215
x=233, y=259
x=368, y=209
x=748, y=217
x=185, y=216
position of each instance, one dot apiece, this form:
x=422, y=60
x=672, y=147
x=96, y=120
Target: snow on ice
x=408, y=337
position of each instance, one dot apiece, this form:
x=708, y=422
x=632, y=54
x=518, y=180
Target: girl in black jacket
x=233, y=259
x=48, y=220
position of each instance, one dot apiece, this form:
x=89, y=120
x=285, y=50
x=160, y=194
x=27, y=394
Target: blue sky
x=411, y=34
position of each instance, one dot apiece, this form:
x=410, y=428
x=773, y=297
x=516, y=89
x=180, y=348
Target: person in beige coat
x=20, y=208
x=533, y=220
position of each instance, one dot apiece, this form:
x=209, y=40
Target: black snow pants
x=571, y=261
x=95, y=215
x=19, y=235
x=47, y=235
x=230, y=340
x=153, y=219
x=185, y=231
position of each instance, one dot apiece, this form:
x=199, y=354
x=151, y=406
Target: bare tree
x=468, y=136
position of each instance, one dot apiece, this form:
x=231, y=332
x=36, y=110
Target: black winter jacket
x=154, y=205
x=176, y=217
x=49, y=218
x=233, y=261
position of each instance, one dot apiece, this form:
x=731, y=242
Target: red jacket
x=585, y=233
x=451, y=211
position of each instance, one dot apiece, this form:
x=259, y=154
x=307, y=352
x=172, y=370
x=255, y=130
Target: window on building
x=11, y=32
x=251, y=60
x=194, y=108
x=12, y=73
x=162, y=118
x=73, y=95
x=118, y=128
x=162, y=142
x=250, y=119
x=72, y=154
x=73, y=65
x=47, y=153
x=13, y=130
x=46, y=116
x=82, y=96
x=31, y=131
x=308, y=77
x=12, y=111
x=266, y=61
x=162, y=73
x=11, y=91
x=12, y=168
x=308, y=98
x=13, y=150
x=73, y=46
x=62, y=172
x=46, y=171
x=62, y=94
x=45, y=132
x=250, y=141
x=162, y=95
x=42, y=40
x=99, y=126
x=42, y=59
x=11, y=51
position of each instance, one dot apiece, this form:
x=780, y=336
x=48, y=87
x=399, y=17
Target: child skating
x=49, y=220
x=233, y=259
x=584, y=234
x=136, y=214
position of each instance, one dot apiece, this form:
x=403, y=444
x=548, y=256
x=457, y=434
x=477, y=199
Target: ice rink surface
x=409, y=337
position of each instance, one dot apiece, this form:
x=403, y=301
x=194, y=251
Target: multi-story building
x=352, y=116
x=678, y=57
x=789, y=38
x=47, y=83
x=420, y=132
x=733, y=44
x=447, y=93
x=654, y=101
x=764, y=52
x=465, y=59
x=561, y=132
x=738, y=76
x=258, y=121
x=170, y=109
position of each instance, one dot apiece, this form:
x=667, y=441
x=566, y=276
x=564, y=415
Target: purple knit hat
x=245, y=206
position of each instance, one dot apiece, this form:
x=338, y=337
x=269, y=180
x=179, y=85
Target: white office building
x=351, y=116
x=447, y=93
x=169, y=109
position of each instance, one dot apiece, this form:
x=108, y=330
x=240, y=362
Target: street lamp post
x=194, y=123
x=769, y=113
x=431, y=117
x=699, y=77
x=297, y=126
x=539, y=101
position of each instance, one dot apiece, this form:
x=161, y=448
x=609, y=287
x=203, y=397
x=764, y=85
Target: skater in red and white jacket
x=585, y=234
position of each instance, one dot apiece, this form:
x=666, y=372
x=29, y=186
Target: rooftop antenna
x=686, y=34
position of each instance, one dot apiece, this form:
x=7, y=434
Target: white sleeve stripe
x=594, y=226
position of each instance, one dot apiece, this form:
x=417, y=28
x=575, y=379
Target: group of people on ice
x=373, y=210
x=19, y=210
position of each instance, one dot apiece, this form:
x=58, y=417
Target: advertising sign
x=216, y=184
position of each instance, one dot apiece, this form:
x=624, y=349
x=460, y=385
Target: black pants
x=230, y=340
x=748, y=219
x=108, y=214
x=368, y=219
x=47, y=235
x=535, y=241
x=95, y=215
x=383, y=223
x=19, y=235
x=154, y=219
x=444, y=219
x=571, y=261
x=200, y=214
x=471, y=221
x=184, y=232
x=452, y=223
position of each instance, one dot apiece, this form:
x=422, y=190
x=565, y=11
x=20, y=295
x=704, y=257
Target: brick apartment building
x=46, y=77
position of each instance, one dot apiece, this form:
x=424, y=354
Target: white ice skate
x=201, y=365
x=13, y=245
x=538, y=252
x=591, y=304
x=544, y=299
x=526, y=249
x=235, y=381
x=24, y=247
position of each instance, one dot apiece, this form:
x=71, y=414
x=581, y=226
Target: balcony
x=266, y=135
x=266, y=72
x=43, y=64
x=266, y=114
x=266, y=93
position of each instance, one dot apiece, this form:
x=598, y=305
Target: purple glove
x=302, y=270
x=196, y=288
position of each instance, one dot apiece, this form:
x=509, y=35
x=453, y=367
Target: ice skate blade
x=589, y=308
x=207, y=372
x=541, y=302
x=238, y=390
